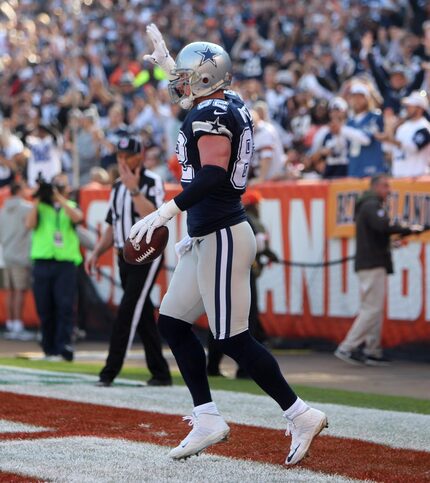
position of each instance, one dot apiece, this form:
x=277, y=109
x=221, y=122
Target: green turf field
x=326, y=395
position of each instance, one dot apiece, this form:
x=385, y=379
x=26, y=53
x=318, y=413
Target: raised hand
x=161, y=55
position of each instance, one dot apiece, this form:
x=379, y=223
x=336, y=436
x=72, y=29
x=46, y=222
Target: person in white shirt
x=15, y=242
x=411, y=141
x=332, y=142
x=45, y=157
x=12, y=152
x=268, y=161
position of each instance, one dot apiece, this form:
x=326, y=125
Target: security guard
x=373, y=263
x=136, y=193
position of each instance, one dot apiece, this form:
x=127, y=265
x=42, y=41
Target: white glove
x=152, y=221
x=183, y=246
x=161, y=55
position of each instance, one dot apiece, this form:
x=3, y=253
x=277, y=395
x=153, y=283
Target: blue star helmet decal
x=207, y=56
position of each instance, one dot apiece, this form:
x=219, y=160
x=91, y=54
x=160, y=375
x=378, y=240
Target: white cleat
x=208, y=429
x=303, y=429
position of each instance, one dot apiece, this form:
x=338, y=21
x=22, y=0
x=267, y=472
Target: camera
x=45, y=190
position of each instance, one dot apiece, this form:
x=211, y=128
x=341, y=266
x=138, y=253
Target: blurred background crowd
x=72, y=82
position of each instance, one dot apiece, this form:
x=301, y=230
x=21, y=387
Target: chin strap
x=187, y=103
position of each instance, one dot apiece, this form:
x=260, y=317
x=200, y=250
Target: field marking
x=330, y=455
x=11, y=427
x=106, y=460
x=391, y=428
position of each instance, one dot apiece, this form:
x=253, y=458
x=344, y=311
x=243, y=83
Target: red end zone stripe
x=331, y=455
x=13, y=478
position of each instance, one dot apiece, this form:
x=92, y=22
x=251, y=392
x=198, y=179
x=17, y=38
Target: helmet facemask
x=180, y=89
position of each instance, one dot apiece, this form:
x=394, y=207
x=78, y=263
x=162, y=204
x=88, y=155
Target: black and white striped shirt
x=122, y=215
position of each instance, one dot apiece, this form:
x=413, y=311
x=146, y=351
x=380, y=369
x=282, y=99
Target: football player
x=214, y=147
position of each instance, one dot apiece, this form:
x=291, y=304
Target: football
x=142, y=252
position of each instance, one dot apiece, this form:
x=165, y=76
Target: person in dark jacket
x=372, y=263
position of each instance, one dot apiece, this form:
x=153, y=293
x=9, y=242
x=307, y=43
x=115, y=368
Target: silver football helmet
x=201, y=69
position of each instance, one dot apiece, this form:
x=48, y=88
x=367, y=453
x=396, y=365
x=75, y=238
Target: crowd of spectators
x=327, y=82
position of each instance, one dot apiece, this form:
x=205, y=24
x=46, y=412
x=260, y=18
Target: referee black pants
x=136, y=314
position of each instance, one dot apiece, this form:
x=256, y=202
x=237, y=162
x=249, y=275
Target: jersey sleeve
x=213, y=118
x=263, y=143
x=318, y=141
x=15, y=147
x=109, y=215
x=156, y=192
x=421, y=138
x=108, y=218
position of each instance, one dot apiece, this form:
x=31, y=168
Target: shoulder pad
x=211, y=120
x=233, y=94
x=421, y=137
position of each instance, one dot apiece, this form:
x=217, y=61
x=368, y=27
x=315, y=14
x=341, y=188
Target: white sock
x=207, y=408
x=9, y=324
x=299, y=407
x=18, y=326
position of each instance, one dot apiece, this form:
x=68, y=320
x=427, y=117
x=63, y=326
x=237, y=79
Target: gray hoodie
x=14, y=236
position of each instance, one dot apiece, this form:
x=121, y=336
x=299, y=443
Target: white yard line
x=90, y=459
x=10, y=427
x=391, y=428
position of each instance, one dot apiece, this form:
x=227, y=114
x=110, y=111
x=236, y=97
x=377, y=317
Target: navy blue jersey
x=217, y=117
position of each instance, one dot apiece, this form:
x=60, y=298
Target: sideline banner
x=308, y=222
x=409, y=202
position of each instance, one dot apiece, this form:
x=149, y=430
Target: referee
x=136, y=193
